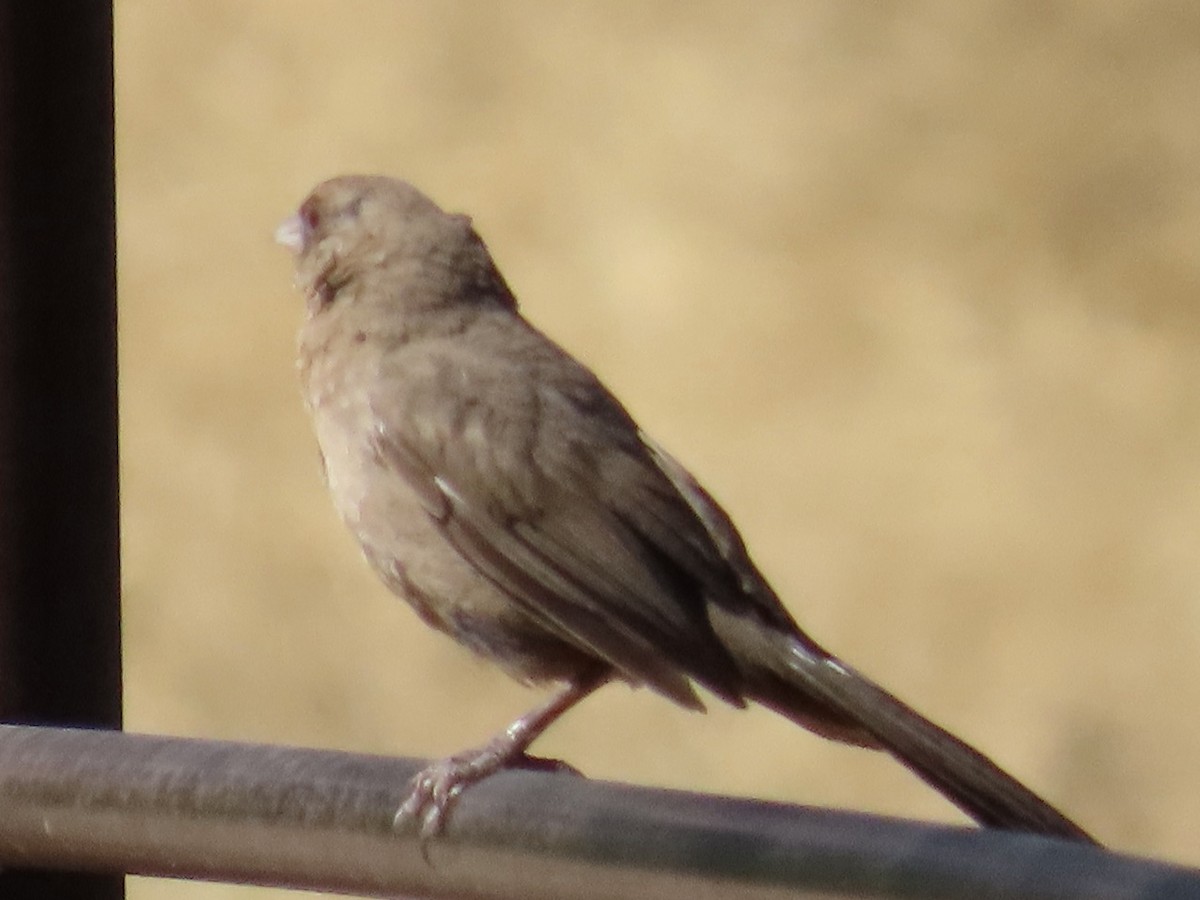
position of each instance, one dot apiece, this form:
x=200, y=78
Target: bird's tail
x=811, y=686
x=790, y=673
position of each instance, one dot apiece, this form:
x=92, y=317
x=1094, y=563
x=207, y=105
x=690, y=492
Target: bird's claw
x=433, y=791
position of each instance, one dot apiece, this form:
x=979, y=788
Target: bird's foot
x=434, y=790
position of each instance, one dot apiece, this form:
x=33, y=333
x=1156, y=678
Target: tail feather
x=960, y=772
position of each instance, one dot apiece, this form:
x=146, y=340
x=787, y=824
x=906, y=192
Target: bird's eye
x=309, y=215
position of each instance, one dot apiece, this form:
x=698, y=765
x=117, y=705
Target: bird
x=496, y=485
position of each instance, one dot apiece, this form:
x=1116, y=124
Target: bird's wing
x=547, y=489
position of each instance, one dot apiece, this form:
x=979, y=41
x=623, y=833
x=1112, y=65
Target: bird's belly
x=412, y=556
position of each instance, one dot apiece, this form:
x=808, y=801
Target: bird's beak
x=293, y=233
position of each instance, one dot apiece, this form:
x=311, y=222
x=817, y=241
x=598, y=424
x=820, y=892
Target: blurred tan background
x=914, y=288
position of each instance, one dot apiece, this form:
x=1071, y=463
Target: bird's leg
x=434, y=789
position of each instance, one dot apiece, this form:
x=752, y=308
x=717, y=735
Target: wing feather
x=620, y=568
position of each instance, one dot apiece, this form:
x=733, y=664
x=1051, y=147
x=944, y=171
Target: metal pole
x=59, y=569
x=114, y=802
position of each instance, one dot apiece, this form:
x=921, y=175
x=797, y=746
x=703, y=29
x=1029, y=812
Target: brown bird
x=497, y=486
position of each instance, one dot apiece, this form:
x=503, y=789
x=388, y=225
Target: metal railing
x=108, y=802
x=60, y=627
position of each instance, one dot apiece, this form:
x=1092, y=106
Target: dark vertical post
x=59, y=567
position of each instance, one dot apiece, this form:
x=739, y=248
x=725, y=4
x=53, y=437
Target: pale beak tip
x=292, y=233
